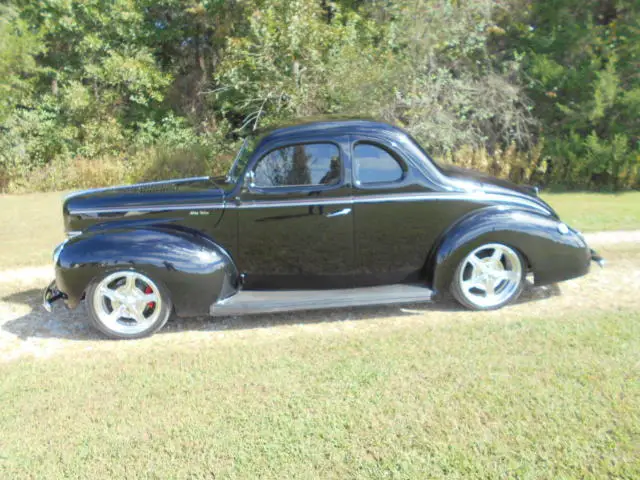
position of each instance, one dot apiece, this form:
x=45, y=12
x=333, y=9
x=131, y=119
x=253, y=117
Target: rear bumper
x=51, y=295
x=597, y=258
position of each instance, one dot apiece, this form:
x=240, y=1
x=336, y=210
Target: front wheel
x=489, y=277
x=128, y=304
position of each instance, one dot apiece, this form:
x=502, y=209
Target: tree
x=581, y=64
x=18, y=68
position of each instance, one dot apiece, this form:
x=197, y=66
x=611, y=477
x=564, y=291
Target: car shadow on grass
x=74, y=325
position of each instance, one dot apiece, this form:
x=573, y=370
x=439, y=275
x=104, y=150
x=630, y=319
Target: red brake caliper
x=150, y=305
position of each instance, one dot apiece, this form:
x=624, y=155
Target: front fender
x=196, y=270
x=550, y=254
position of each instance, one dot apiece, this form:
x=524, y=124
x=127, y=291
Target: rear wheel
x=489, y=277
x=128, y=304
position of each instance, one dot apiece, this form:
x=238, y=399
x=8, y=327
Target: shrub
x=509, y=163
x=594, y=163
x=158, y=162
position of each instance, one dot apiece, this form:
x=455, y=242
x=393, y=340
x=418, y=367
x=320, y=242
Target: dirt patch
x=27, y=330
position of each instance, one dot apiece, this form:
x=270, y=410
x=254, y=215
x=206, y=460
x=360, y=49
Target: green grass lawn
x=593, y=212
x=32, y=223
x=31, y=228
x=534, y=398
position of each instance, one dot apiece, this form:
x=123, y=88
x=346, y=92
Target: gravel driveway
x=27, y=330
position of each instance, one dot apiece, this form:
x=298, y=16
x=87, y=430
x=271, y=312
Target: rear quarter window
x=373, y=164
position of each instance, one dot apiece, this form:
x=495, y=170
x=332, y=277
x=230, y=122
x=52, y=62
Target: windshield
x=240, y=162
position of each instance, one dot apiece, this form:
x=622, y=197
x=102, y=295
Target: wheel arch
x=195, y=269
x=551, y=255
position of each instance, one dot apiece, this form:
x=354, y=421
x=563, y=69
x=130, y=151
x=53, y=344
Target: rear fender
x=196, y=270
x=553, y=256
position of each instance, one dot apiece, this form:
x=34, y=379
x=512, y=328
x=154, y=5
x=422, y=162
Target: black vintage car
x=316, y=215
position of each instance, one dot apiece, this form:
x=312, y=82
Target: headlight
x=563, y=229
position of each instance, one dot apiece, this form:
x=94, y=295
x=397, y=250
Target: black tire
x=165, y=308
x=463, y=299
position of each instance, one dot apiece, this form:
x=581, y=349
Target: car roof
x=329, y=126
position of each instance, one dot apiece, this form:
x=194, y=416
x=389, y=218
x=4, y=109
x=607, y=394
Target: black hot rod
x=322, y=214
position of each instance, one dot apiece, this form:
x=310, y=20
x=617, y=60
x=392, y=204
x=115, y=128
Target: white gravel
x=609, y=238
x=26, y=274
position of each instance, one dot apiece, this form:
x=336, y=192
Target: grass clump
x=592, y=212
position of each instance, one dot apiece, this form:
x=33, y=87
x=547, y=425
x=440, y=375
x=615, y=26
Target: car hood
x=106, y=204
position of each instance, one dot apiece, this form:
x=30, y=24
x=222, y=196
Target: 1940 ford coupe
x=316, y=215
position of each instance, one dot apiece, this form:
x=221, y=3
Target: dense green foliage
x=123, y=90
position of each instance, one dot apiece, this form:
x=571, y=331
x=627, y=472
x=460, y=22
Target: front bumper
x=51, y=295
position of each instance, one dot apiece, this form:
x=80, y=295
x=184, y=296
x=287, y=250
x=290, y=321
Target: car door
x=393, y=231
x=295, y=217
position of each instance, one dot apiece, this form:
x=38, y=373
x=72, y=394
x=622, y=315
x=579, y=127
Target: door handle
x=339, y=213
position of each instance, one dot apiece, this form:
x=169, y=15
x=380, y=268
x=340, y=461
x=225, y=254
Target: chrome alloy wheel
x=490, y=276
x=127, y=302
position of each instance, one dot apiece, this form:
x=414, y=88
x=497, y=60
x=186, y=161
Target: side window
x=375, y=165
x=304, y=164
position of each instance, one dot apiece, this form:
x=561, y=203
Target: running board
x=269, y=301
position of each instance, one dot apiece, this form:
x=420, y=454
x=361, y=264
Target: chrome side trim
x=408, y=197
x=295, y=203
x=146, y=208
